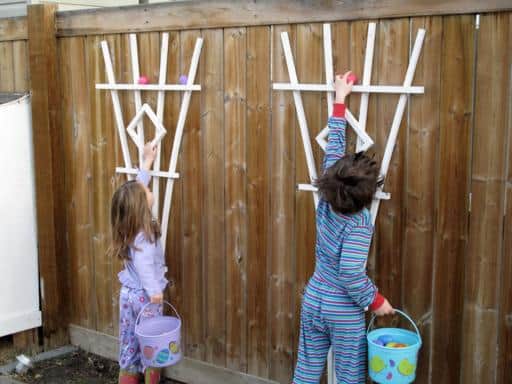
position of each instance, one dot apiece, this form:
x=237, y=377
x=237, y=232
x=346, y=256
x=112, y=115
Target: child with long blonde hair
x=136, y=241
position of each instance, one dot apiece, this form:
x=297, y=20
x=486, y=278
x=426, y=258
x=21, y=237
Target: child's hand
x=384, y=309
x=343, y=87
x=149, y=155
x=157, y=299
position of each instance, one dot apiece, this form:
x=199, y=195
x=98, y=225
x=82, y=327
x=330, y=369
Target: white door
x=19, y=279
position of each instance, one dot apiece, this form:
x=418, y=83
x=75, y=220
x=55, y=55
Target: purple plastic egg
x=378, y=342
x=183, y=79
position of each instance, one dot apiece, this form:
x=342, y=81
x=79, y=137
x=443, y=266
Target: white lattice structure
x=135, y=128
x=359, y=125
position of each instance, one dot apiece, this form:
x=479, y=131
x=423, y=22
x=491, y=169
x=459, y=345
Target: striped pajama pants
x=330, y=317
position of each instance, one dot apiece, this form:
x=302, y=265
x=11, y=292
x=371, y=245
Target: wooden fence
x=241, y=237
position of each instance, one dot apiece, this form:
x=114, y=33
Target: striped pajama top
x=343, y=241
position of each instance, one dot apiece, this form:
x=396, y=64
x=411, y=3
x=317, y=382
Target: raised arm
x=336, y=141
x=143, y=176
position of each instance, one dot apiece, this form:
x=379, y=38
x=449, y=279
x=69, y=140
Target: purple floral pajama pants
x=131, y=302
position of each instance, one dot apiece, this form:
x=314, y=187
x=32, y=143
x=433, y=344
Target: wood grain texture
x=212, y=106
x=484, y=257
x=21, y=66
x=101, y=170
x=258, y=199
x=206, y=14
x=6, y=67
x=392, y=60
x=235, y=82
x=80, y=206
x=192, y=171
x=457, y=68
x=282, y=214
x=46, y=135
x=14, y=28
x=422, y=154
x=309, y=59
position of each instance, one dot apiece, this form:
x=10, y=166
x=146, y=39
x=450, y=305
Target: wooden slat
x=487, y=187
x=101, y=171
x=309, y=56
x=212, y=107
x=14, y=28
x=6, y=67
x=175, y=254
x=357, y=40
x=80, y=206
x=457, y=56
x=207, y=14
x=421, y=158
x=282, y=215
x=505, y=304
x=258, y=198
x=192, y=170
x=392, y=60
x=46, y=136
x=116, y=159
x=235, y=63
x=21, y=66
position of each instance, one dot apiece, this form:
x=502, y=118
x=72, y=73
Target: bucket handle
x=165, y=302
x=401, y=313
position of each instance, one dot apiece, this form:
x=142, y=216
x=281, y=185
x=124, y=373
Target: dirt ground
x=75, y=368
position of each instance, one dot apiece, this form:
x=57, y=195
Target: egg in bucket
x=159, y=339
x=393, y=353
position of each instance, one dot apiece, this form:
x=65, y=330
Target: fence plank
x=187, y=15
x=258, y=198
x=505, y=304
x=116, y=158
x=282, y=263
x=235, y=63
x=214, y=179
x=13, y=28
x=174, y=248
x=310, y=69
x=457, y=55
x=101, y=165
x=6, y=67
x=21, y=66
x=80, y=206
x=47, y=139
x=392, y=60
x=193, y=224
x=487, y=187
x=422, y=154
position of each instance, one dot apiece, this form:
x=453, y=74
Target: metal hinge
x=470, y=199
x=477, y=21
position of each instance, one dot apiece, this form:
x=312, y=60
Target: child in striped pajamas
x=339, y=291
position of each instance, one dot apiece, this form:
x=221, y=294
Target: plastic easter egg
x=352, y=78
x=143, y=80
x=385, y=339
x=391, y=344
x=378, y=342
x=183, y=79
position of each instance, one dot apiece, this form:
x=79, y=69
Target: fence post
x=49, y=174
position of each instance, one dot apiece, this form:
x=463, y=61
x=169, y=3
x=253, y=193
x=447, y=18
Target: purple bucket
x=159, y=339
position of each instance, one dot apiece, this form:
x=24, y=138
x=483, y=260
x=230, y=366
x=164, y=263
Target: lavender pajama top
x=143, y=276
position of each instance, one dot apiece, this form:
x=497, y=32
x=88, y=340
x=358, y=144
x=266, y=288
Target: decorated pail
x=395, y=364
x=159, y=339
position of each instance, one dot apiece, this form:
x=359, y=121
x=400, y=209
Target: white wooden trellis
x=363, y=140
x=138, y=134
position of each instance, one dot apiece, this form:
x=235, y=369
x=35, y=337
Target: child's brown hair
x=129, y=215
x=350, y=183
